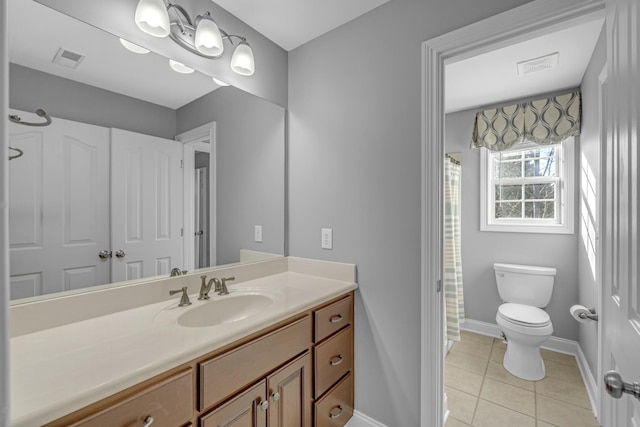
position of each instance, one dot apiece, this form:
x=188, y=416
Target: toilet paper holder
x=591, y=315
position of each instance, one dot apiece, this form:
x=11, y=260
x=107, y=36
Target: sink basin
x=228, y=309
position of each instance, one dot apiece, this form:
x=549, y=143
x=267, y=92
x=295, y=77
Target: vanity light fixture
x=133, y=47
x=201, y=36
x=180, y=67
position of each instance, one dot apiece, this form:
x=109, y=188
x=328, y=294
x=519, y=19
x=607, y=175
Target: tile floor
x=482, y=393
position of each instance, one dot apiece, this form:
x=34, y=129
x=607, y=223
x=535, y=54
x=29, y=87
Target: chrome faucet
x=205, y=287
x=177, y=272
x=184, y=299
x=221, y=285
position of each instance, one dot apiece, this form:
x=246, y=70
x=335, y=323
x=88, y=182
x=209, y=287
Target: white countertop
x=59, y=370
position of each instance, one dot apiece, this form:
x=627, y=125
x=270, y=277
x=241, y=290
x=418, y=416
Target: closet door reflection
x=59, y=207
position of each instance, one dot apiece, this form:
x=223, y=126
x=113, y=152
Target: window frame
x=565, y=187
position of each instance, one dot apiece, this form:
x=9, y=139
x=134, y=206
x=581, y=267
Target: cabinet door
x=245, y=410
x=289, y=391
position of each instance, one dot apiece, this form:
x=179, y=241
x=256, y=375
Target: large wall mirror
x=143, y=169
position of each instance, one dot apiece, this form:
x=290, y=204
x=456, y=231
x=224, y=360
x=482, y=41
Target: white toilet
x=525, y=290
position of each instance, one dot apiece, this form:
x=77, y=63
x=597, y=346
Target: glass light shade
x=208, y=39
x=179, y=67
x=152, y=17
x=219, y=82
x=242, y=61
x=133, y=47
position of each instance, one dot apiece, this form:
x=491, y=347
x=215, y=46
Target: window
x=528, y=188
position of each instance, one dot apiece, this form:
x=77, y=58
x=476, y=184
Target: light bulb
x=152, y=17
x=133, y=47
x=180, y=67
x=208, y=39
x=242, y=61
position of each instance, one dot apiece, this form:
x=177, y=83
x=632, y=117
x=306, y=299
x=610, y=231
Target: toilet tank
x=525, y=284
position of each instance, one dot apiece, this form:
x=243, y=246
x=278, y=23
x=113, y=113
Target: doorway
x=531, y=20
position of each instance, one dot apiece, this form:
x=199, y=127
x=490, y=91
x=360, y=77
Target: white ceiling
x=291, y=23
x=493, y=77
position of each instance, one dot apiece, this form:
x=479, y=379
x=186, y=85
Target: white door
x=146, y=205
x=621, y=299
x=59, y=206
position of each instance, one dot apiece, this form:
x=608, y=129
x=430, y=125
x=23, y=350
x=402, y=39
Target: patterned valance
x=543, y=121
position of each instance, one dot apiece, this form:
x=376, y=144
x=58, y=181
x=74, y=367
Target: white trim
x=513, y=26
x=193, y=141
x=361, y=420
x=557, y=344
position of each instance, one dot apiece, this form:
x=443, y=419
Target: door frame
x=194, y=140
x=513, y=26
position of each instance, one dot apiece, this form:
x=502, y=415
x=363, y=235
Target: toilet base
x=524, y=361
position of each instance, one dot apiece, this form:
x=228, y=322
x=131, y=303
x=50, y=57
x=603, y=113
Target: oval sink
x=228, y=309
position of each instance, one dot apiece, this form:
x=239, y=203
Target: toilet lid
x=524, y=314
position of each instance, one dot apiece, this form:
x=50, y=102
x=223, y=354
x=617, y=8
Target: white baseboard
x=361, y=420
x=560, y=345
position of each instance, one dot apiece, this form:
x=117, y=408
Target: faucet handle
x=223, y=285
x=184, y=299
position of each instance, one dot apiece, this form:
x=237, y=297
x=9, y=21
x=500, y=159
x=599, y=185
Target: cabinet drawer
x=333, y=359
x=169, y=402
x=221, y=376
x=333, y=317
x=336, y=407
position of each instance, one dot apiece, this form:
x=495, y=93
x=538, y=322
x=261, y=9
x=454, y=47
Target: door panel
x=59, y=207
x=621, y=257
x=289, y=392
x=146, y=209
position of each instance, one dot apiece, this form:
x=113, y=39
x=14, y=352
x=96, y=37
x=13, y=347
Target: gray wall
x=590, y=153
x=354, y=166
x=249, y=168
x=30, y=89
x=480, y=249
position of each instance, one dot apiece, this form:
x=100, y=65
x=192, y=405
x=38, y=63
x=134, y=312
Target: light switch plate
x=257, y=233
x=327, y=238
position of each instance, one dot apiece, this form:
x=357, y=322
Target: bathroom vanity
x=282, y=356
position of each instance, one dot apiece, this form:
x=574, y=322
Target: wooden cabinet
x=333, y=363
x=297, y=373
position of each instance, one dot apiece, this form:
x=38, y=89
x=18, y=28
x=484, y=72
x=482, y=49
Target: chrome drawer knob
x=148, y=421
x=264, y=405
x=335, y=412
x=275, y=396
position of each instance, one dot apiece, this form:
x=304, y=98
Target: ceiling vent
x=538, y=64
x=68, y=58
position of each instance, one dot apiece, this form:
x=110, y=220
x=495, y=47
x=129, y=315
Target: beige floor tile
x=497, y=371
x=466, y=361
x=491, y=415
x=563, y=414
x=470, y=336
x=472, y=347
x=563, y=371
x=462, y=405
x=509, y=396
x=554, y=356
x=543, y=424
x=570, y=392
x=452, y=422
x=497, y=353
x=499, y=342
x=462, y=380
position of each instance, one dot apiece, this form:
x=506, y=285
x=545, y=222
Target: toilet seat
x=524, y=315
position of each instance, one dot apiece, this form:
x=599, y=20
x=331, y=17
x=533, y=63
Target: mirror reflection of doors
x=78, y=193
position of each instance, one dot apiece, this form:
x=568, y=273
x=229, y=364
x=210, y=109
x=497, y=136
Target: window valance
x=543, y=121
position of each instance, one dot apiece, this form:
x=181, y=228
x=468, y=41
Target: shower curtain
x=454, y=300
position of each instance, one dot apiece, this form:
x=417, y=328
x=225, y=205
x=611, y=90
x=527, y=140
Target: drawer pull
x=333, y=414
x=264, y=405
x=148, y=421
x=275, y=396
x=335, y=319
x=336, y=360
